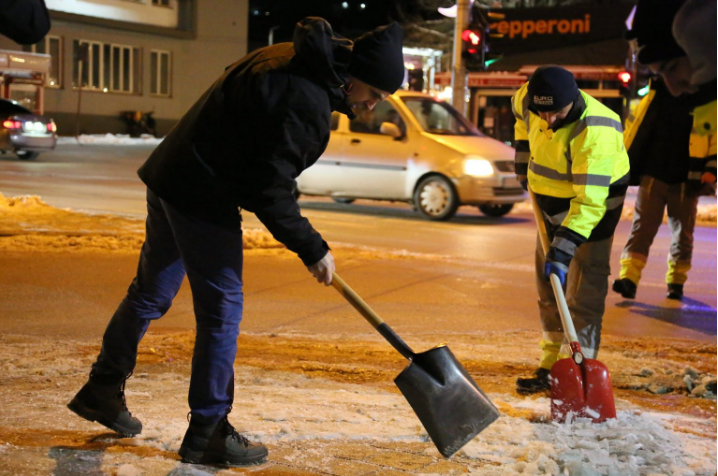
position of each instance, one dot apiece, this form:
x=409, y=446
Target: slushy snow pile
x=283, y=408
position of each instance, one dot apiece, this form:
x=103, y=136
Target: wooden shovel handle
x=555, y=281
x=372, y=317
x=355, y=300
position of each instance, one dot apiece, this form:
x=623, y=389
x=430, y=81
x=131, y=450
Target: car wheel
x=346, y=201
x=496, y=210
x=436, y=198
x=26, y=155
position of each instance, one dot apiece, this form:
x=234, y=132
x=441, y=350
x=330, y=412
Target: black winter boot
x=219, y=444
x=675, y=291
x=102, y=399
x=625, y=287
x=538, y=383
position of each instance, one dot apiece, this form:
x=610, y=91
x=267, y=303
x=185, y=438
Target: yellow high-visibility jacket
x=579, y=171
x=703, y=141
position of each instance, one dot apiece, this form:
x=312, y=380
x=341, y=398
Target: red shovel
x=580, y=387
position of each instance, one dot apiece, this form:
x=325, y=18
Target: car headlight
x=478, y=167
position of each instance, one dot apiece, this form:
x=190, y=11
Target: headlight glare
x=478, y=167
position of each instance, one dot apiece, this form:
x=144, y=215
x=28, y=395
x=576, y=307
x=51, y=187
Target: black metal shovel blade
x=449, y=404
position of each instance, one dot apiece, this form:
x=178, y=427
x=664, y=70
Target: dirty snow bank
x=283, y=409
x=110, y=139
x=27, y=223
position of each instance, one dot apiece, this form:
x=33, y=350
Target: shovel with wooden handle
x=452, y=408
x=580, y=387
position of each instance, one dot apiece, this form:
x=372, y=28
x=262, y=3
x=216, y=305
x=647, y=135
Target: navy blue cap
x=551, y=88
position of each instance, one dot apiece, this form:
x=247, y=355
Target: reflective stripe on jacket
x=577, y=164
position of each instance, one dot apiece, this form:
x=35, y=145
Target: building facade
x=111, y=57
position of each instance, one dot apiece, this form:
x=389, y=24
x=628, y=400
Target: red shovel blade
x=581, y=391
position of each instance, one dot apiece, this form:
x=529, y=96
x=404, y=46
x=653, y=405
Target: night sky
x=347, y=17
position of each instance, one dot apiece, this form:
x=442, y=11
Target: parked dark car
x=24, y=132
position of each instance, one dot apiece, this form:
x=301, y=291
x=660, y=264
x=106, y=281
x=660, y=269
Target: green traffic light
x=492, y=61
x=644, y=90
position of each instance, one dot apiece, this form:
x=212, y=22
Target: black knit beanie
x=551, y=88
x=652, y=30
x=377, y=58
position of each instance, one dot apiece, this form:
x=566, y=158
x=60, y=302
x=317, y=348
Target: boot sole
x=200, y=457
x=94, y=416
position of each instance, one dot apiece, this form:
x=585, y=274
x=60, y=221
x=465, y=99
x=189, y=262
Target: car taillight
x=8, y=124
x=51, y=127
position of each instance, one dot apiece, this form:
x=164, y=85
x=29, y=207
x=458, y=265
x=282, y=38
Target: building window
x=160, y=72
x=50, y=45
x=161, y=3
x=106, y=67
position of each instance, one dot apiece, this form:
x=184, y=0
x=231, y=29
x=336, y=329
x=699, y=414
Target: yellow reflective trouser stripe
x=677, y=271
x=550, y=347
x=631, y=266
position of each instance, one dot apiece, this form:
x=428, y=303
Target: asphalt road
x=472, y=262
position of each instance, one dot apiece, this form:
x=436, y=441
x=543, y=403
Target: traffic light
x=473, y=47
x=627, y=84
x=476, y=38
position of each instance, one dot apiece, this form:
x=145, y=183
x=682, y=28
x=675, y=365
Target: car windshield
x=438, y=117
x=9, y=107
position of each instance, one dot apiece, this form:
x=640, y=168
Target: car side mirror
x=390, y=129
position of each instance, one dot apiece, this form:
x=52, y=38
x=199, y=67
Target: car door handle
x=356, y=141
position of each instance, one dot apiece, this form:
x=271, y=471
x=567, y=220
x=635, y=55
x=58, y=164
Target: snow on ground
x=110, y=139
x=27, y=223
x=309, y=417
x=283, y=409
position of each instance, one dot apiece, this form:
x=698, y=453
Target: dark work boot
x=219, y=444
x=102, y=399
x=675, y=291
x=625, y=287
x=538, y=383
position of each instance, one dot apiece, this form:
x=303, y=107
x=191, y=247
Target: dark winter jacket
x=659, y=132
x=244, y=142
x=24, y=21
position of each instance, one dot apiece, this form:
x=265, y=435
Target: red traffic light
x=471, y=36
x=625, y=77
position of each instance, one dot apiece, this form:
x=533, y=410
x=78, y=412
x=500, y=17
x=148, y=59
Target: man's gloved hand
x=323, y=269
x=524, y=181
x=556, y=263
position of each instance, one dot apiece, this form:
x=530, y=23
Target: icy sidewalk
x=324, y=404
x=324, y=415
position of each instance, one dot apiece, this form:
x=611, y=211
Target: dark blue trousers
x=211, y=256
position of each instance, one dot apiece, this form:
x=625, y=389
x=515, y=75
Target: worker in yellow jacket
x=570, y=152
x=677, y=39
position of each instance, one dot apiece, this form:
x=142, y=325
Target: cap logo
x=543, y=100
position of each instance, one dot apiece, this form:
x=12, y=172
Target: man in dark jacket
x=242, y=145
x=656, y=138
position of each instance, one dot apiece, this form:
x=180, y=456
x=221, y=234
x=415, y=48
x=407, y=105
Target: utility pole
x=458, y=73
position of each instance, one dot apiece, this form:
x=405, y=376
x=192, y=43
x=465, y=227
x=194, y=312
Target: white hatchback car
x=417, y=149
